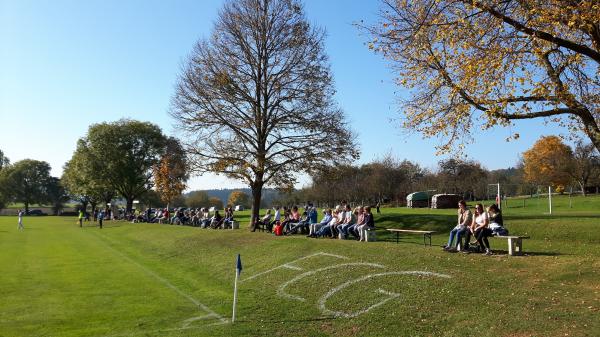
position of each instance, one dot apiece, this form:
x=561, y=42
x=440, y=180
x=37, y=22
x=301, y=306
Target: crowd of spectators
x=342, y=222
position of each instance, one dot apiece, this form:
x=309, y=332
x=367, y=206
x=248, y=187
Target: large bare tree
x=256, y=100
x=474, y=64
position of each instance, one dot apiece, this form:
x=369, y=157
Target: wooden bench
x=426, y=234
x=515, y=243
x=259, y=226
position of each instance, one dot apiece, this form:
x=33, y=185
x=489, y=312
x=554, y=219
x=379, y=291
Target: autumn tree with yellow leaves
x=548, y=162
x=474, y=64
x=238, y=198
x=171, y=171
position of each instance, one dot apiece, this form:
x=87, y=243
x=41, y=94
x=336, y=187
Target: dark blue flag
x=239, y=264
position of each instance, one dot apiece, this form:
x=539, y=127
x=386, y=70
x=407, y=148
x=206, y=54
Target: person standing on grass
x=100, y=218
x=20, y=214
x=80, y=217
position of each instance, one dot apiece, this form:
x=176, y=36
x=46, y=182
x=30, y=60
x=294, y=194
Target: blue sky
x=67, y=64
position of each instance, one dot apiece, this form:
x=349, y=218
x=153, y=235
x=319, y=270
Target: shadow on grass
x=412, y=240
x=433, y=222
x=111, y=226
x=104, y=225
x=551, y=216
x=316, y=319
x=527, y=253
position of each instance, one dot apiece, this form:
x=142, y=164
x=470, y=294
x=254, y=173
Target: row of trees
x=125, y=159
x=255, y=101
x=549, y=162
x=29, y=182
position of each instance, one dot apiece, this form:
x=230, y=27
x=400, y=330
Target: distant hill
x=268, y=195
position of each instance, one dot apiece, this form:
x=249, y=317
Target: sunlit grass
x=137, y=279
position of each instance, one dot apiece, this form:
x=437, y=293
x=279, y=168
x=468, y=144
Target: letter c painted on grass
x=390, y=295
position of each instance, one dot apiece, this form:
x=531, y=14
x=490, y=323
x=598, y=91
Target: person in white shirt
x=479, y=228
x=464, y=220
x=21, y=213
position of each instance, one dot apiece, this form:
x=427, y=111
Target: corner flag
x=238, y=265
x=238, y=270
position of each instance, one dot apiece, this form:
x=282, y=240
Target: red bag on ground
x=278, y=230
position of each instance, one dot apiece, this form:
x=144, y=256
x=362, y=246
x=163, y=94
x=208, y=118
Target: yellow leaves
x=547, y=161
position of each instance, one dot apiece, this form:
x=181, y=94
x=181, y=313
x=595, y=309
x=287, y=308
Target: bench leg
x=519, y=248
x=397, y=237
x=511, y=246
x=425, y=236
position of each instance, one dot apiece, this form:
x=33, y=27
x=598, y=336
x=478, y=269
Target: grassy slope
x=60, y=280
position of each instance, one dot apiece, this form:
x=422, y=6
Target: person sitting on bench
x=368, y=224
x=309, y=216
x=265, y=221
x=464, y=220
x=216, y=220
x=359, y=215
x=228, y=220
x=496, y=222
x=350, y=218
x=479, y=228
x=291, y=220
x=327, y=230
x=315, y=227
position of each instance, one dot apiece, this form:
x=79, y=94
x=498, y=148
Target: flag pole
x=238, y=269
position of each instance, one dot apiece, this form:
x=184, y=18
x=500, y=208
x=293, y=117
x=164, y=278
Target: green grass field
x=158, y=280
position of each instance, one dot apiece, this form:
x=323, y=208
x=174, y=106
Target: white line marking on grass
x=167, y=283
x=281, y=291
x=185, y=324
x=158, y=332
x=290, y=266
x=391, y=295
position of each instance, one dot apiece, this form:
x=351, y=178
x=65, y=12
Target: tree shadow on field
x=551, y=216
x=104, y=225
x=111, y=226
x=527, y=253
x=278, y=321
x=432, y=222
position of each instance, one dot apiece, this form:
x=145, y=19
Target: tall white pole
x=550, y=198
x=570, y=193
x=237, y=276
x=499, y=197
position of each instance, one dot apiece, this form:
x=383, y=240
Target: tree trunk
x=84, y=205
x=93, y=204
x=26, y=207
x=582, y=185
x=256, y=197
x=129, y=206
